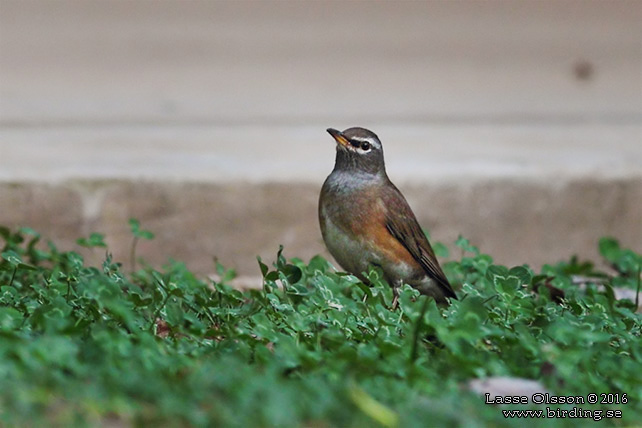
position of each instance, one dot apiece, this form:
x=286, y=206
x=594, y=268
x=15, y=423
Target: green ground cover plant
x=99, y=345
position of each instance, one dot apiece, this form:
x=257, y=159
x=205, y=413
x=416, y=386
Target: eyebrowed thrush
x=366, y=221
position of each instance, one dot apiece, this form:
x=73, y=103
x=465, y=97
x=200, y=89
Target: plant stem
x=13, y=276
x=132, y=255
x=415, y=338
x=637, y=293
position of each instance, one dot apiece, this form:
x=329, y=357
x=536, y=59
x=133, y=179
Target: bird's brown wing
x=402, y=224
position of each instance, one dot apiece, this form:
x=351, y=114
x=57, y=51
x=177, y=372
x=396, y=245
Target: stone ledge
x=514, y=221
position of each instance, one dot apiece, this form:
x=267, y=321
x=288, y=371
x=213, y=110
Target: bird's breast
x=353, y=225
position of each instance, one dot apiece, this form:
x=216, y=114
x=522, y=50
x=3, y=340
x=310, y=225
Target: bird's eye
x=365, y=146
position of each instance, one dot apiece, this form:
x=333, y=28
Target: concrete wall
x=516, y=124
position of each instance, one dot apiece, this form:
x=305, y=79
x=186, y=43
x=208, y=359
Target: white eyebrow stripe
x=365, y=140
x=362, y=139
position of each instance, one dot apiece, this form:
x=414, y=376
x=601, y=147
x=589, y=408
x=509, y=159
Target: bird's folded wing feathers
x=404, y=227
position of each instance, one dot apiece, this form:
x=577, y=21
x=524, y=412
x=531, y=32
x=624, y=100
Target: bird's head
x=358, y=150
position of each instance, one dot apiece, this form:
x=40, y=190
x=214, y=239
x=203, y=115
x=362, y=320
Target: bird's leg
x=395, y=294
x=366, y=282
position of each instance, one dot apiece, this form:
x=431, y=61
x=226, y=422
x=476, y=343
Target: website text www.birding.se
x=576, y=411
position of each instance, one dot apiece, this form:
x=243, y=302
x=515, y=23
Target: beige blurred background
x=517, y=124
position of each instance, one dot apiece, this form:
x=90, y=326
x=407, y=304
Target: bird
x=366, y=221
